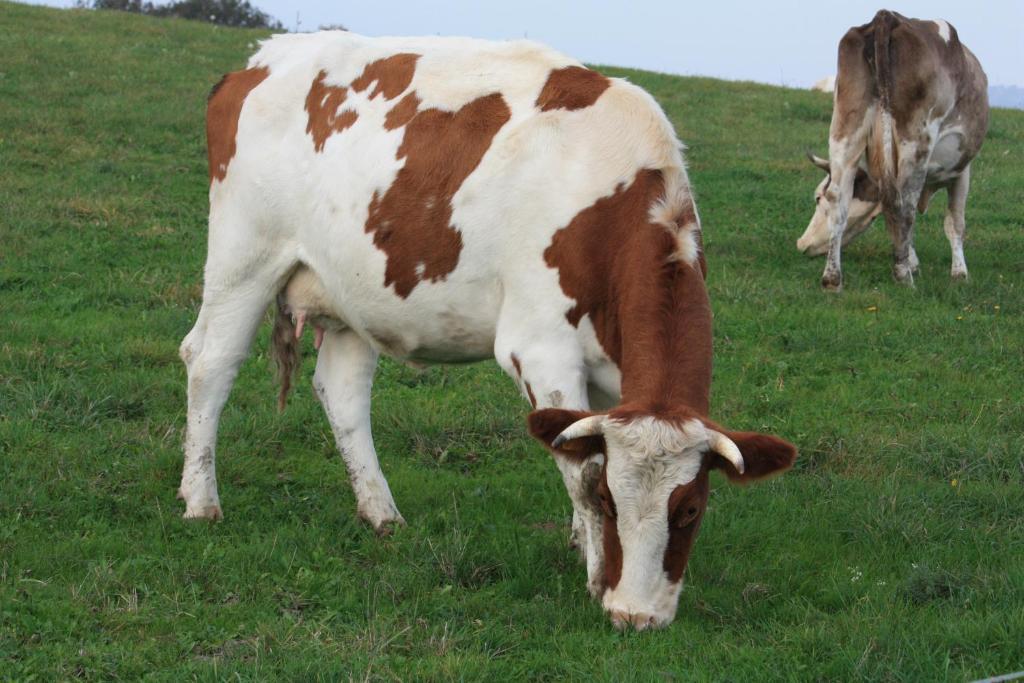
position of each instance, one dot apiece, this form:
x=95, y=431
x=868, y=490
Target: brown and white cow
x=910, y=113
x=451, y=200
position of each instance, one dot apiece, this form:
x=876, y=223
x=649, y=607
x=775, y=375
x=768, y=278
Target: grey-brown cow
x=910, y=113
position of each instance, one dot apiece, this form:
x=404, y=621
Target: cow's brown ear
x=548, y=424
x=764, y=455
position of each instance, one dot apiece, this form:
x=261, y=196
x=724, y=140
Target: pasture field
x=893, y=551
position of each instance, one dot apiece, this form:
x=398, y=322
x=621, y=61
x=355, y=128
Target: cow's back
x=921, y=83
x=418, y=175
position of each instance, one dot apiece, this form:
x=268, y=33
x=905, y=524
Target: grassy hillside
x=894, y=550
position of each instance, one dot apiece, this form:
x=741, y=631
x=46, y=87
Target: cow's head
x=864, y=206
x=653, y=491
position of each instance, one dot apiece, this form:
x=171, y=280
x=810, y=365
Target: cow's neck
x=650, y=311
x=664, y=321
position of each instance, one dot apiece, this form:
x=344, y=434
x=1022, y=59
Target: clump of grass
x=927, y=584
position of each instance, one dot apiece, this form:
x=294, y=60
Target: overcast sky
x=787, y=42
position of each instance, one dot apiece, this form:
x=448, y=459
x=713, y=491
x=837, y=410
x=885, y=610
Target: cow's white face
x=653, y=491
x=650, y=462
x=864, y=207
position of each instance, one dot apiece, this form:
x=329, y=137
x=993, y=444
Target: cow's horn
x=588, y=426
x=725, y=447
x=823, y=164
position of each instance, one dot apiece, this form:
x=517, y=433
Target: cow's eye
x=685, y=516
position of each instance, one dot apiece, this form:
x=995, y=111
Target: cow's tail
x=884, y=22
x=284, y=349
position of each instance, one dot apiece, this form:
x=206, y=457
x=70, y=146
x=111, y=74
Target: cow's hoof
x=387, y=527
x=832, y=283
x=958, y=275
x=211, y=512
x=903, y=273
x=384, y=517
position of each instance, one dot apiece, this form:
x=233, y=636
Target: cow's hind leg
x=900, y=222
x=844, y=154
x=233, y=306
x=343, y=378
x=901, y=205
x=955, y=225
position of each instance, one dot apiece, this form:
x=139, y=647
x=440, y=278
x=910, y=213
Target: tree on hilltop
x=223, y=12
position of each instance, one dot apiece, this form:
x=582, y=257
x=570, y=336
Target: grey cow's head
x=865, y=205
x=652, y=493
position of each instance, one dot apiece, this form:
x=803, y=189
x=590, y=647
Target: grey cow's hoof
x=832, y=282
x=903, y=273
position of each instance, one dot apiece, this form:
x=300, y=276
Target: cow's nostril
x=642, y=621
x=619, y=619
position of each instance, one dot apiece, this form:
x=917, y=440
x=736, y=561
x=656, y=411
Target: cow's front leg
x=549, y=378
x=344, y=375
x=581, y=480
x=954, y=224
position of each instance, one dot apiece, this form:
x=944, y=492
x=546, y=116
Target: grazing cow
x=451, y=200
x=909, y=114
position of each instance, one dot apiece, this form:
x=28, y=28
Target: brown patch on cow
x=411, y=222
x=322, y=105
x=650, y=311
x=529, y=394
x=223, y=108
x=390, y=77
x=526, y=385
x=573, y=87
x=609, y=533
x=402, y=113
x=686, y=506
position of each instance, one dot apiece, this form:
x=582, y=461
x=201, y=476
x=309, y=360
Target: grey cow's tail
x=884, y=22
x=284, y=349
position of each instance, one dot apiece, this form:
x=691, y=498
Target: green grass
x=893, y=551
